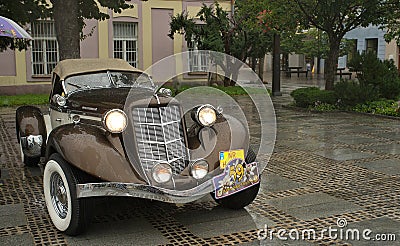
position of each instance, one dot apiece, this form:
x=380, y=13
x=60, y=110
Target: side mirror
x=59, y=100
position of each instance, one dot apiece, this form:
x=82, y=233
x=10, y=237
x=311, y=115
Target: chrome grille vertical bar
x=160, y=137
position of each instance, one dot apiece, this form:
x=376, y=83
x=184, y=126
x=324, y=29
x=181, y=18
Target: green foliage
x=350, y=93
x=22, y=12
x=382, y=107
x=382, y=76
x=391, y=21
x=311, y=96
x=24, y=100
x=90, y=9
x=239, y=36
x=324, y=107
x=337, y=18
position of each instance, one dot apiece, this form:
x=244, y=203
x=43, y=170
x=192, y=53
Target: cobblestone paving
x=324, y=167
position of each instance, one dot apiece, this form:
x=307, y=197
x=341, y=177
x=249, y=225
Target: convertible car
x=110, y=131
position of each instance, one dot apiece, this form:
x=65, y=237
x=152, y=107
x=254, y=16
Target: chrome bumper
x=144, y=191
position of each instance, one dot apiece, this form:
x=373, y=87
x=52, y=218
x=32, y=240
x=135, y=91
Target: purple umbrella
x=8, y=28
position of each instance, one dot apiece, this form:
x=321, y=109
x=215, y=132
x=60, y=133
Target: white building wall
x=362, y=34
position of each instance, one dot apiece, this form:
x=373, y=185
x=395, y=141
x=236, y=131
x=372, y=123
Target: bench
x=341, y=73
x=297, y=70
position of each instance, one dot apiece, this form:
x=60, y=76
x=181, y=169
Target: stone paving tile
x=217, y=222
x=274, y=183
x=12, y=215
x=352, y=140
x=393, y=148
x=310, y=206
x=387, y=166
x=343, y=154
x=137, y=231
x=24, y=239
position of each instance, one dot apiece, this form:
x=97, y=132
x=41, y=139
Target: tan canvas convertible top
x=70, y=67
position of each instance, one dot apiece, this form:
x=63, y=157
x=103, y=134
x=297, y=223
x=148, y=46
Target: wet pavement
x=338, y=170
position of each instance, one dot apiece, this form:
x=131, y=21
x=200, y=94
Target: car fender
x=89, y=149
x=30, y=125
x=227, y=133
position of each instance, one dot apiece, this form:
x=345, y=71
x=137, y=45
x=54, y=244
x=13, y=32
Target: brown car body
x=76, y=132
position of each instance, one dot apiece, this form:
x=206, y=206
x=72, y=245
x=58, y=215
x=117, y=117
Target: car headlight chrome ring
x=162, y=173
x=115, y=121
x=199, y=169
x=205, y=115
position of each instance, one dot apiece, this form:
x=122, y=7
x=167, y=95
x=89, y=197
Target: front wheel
x=239, y=200
x=67, y=212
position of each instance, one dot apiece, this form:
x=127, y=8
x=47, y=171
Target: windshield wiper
x=79, y=86
x=75, y=85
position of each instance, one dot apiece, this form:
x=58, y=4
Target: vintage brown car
x=110, y=132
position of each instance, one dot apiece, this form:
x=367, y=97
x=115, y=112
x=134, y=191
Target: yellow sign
x=226, y=156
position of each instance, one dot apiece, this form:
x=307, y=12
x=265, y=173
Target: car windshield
x=109, y=79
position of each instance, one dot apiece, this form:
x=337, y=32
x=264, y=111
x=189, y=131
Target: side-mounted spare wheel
x=67, y=212
x=31, y=134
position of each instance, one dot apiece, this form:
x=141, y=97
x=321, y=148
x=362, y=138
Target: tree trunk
x=261, y=69
x=253, y=64
x=331, y=63
x=65, y=14
x=276, y=70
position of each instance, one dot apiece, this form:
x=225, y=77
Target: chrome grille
x=159, y=135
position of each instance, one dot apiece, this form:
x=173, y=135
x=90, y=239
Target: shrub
x=305, y=97
x=323, y=107
x=382, y=76
x=383, y=107
x=351, y=93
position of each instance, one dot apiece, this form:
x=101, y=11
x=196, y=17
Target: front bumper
x=144, y=191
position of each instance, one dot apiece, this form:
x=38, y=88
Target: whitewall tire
x=67, y=212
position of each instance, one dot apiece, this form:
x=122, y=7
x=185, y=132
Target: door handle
x=59, y=119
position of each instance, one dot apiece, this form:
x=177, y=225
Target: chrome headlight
x=162, y=173
x=199, y=169
x=205, y=115
x=115, y=121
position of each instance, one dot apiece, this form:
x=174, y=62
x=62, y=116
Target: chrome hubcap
x=58, y=194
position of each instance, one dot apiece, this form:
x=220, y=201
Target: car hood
x=102, y=99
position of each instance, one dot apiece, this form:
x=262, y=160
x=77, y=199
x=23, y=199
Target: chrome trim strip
x=143, y=191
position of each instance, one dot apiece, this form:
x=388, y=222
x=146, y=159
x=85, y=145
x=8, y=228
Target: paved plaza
x=326, y=169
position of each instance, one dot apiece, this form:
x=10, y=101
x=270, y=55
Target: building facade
x=137, y=35
x=371, y=39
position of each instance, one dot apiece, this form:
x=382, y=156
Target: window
x=198, y=61
x=125, y=42
x=44, y=47
x=372, y=45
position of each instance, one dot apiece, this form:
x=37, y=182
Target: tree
x=391, y=22
x=338, y=17
x=22, y=12
x=239, y=36
x=69, y=19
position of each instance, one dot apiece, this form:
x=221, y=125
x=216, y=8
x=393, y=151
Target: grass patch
x=28, y=99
